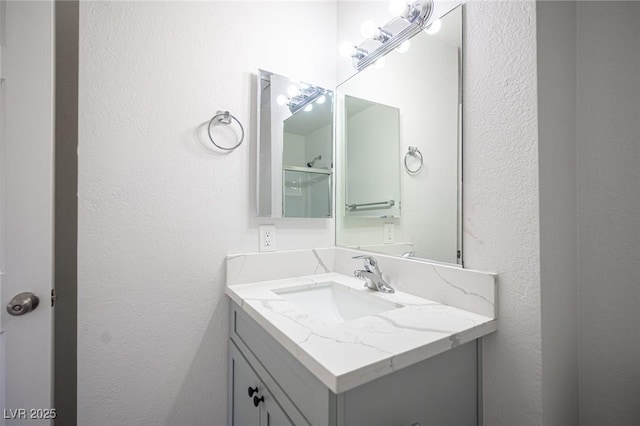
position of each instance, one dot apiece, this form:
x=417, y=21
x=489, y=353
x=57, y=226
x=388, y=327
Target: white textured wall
x=501, y=226
x=157, y=211
x=556, y=25
x=609, y=212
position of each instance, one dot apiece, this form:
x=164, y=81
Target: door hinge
x=54, y=297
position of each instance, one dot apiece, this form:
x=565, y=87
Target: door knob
x=252, y=391
x=23, y=303
x=257, y=401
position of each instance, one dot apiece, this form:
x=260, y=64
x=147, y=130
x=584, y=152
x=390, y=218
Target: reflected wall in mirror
x=372, y=178
x=423, y=85
x=295, y=148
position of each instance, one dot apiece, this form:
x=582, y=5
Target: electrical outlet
x=389, y=229
x=267, y=238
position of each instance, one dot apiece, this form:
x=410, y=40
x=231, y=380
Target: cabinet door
x=243, y=411
x=272, y=414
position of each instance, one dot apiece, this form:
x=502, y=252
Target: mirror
x=295, y=148
x=398, y=128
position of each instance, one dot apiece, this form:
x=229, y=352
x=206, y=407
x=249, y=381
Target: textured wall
x=556, y=25
x=608, y=149
x=501, y=227
x=157, y=210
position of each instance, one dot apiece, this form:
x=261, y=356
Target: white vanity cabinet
x=441, y=390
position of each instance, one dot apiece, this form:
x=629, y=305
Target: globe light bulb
x=368, y=28
x=322, y=99
x=308, y=107
x=346, y=49
x=282, y=100
x=434, y=27
x=397, y=7
x=293, y=91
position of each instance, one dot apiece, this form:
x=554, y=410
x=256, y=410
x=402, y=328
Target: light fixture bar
x=308, y=96
x=401, y=28
x=391, y=44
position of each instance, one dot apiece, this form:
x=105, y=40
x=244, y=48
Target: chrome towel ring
x=413, y=152
x=225, y=117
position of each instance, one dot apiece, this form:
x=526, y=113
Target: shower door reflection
x=306, y=194
x=307, y=159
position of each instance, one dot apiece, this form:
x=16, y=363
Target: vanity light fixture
x=303, y=97
x=381, y=35
x=359, y=53
x=410, y=18
x=418, y=12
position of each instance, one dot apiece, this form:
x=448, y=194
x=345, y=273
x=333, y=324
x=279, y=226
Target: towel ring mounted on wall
x=413, y=152
x=225, y=117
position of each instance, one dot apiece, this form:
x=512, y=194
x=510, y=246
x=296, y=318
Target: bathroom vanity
x=310, y=345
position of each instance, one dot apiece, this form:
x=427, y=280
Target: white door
x=26, y=209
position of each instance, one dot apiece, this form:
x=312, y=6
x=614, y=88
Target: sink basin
x=335, y=303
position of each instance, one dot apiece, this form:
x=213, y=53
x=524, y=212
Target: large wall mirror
x=398, y=149
x=295, y=148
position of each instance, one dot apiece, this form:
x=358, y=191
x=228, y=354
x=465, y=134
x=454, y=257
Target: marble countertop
x=352, y=353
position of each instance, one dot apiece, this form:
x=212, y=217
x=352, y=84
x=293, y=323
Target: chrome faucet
x=372, y=276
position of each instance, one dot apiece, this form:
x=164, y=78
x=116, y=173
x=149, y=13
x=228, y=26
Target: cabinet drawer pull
x=257, y=401
x=252, y=391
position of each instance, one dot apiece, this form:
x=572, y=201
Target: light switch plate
x=267, y=238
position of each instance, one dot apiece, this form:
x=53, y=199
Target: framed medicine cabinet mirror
x=398, y=148
x=295, y=148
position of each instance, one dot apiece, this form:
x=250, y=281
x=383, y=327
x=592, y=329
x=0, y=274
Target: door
x=272, y=414
x=251, y=404
x=26, y=209
x=244, y=387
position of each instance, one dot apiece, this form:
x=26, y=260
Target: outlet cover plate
x=389, y=236
x=267, y=241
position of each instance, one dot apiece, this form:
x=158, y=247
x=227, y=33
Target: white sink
x=335, y=303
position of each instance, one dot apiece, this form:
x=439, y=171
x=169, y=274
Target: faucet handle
x=370, y=262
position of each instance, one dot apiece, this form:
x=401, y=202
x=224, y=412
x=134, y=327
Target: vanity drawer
x=282, y=370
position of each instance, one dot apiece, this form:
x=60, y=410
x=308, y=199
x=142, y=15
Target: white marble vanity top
x=351, y=353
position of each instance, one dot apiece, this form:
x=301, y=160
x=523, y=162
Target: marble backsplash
x=474, y=291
